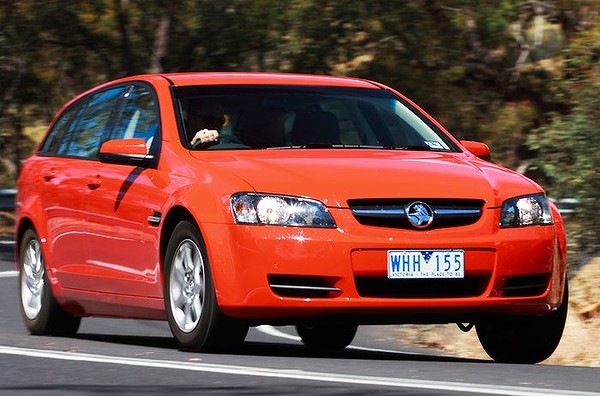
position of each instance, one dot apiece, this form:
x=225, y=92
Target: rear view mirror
x=478, y=149
x=126, y=151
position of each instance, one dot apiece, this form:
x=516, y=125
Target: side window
x=93, y=122
x=60, y=133
x=137, y=117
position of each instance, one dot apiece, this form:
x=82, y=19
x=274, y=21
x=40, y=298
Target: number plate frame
x=426, y=264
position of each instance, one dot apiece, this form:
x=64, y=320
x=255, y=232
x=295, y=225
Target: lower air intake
x=526, y=286
x=381, y=287
x=303, y=286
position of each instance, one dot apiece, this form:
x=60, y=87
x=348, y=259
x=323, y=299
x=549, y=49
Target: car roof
x=258, y=78
x=185, y=79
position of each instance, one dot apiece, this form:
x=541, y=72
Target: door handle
x=50, y=175
x=94, y=182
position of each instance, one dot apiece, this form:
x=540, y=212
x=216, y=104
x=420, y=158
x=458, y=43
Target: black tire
x=194, y=317
x=523, y=339
x=326, y=337
x=41, y=313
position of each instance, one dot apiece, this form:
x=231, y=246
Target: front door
x=122, y=208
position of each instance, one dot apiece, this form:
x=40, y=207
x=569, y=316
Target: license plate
x=424, y=264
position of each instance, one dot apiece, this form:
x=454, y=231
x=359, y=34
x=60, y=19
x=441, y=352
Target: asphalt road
x=131, y=357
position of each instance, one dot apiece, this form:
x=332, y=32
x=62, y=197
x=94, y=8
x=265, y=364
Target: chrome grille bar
x=297, y=287
x=380, y=212
x=457, y=212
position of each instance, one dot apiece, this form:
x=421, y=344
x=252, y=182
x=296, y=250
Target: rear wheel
x=326, y=336
x=41, y=313
x=523, y=339
x=195, y=319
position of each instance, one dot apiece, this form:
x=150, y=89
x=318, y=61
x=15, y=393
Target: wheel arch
x=175, y=215
x=24, y=224
x=180, y=213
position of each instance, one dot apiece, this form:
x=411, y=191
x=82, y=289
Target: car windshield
x=269, y=117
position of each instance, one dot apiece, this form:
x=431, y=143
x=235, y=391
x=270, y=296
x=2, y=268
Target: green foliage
x=488, y=70
x=506, y=131
x=568, y=143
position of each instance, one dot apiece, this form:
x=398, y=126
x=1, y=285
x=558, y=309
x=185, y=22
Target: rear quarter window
x=60, y=132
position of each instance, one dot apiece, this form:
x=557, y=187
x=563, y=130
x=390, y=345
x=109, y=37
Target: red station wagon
x=219, y=201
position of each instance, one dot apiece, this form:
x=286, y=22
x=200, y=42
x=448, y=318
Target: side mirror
x=478, y=149
x=126, y=152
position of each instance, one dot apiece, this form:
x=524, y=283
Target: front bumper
x=343, y=271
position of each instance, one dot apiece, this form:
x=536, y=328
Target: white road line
x=292, y=374
x=9, y=274
x=272, y=331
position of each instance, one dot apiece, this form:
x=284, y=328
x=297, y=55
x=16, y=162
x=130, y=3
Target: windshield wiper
x=415, y=147
x=330, y=145
x=418, y=147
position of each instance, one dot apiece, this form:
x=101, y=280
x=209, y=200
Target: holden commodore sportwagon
x=219, y=201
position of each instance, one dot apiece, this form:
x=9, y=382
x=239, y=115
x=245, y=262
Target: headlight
x=525, y=211
x=251, y=208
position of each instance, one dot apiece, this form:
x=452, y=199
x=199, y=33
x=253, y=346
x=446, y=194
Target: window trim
x=83, y=102
x=210, y=89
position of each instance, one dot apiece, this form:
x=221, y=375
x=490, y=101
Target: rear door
x=65, y=159
x=58, y=191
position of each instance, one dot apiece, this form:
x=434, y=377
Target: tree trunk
x=122, y=13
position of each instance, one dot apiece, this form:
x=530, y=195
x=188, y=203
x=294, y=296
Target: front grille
x=382, y=287
x=303, y=286
x=390, y=212
x=525, y=285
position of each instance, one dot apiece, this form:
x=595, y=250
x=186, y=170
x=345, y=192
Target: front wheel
x=523, y=339
x=41, y=313
x=194, y=317
x=328, y=337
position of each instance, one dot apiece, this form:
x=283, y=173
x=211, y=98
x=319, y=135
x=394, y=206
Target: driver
x=206, y=124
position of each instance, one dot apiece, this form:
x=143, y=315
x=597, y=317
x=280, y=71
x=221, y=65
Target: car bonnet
x=333, y=176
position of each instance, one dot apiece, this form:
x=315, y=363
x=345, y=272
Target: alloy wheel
x=32, y=280
x=187, y=285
